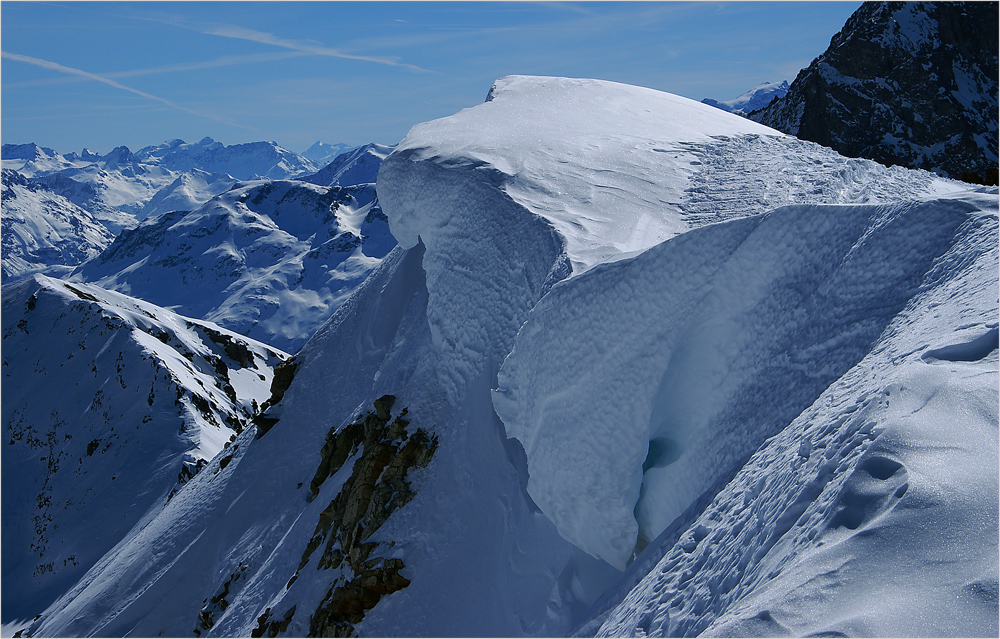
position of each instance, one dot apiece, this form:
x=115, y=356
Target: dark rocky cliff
x=913, y=84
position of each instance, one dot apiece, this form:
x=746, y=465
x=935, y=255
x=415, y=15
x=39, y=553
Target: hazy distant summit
x=756, y=98
x=323, y=153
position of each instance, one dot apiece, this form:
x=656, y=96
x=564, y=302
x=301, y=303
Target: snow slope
x=756, y=98
x=357, y=166
x=874, y=511
x=271, y=260
x=186, y=193
x=43, y=231
x=109, y=403
x=698, y=351
x=112, y=197
x=380, y=494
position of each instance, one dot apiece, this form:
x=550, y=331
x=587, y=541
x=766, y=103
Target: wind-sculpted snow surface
x=271, y=260
x=874, y=511
x=692, y=354
x=109, y=403
x=616, y=169
x=380, y=493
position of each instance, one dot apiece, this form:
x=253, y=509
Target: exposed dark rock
x=218, y=603
x=81, y=294
x=912, y=84
x=384, y=453
x=346, y=605
x=235, y=349
x=188, y=471
x=268, y=628
x=283, y=375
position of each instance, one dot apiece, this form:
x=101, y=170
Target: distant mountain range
x=119, y=187
x=322, y=153
x=271, y=258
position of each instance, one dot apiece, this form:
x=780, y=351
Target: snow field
x=872, y=512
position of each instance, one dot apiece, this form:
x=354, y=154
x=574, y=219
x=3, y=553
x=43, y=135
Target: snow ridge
x=43, y=231
x=271, y=260
x=565, y=305
x=146, y=398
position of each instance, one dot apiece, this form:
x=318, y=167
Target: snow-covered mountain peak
x=615, y=169
x=26, y=152
x=187, y=192
x=31, y=159
x=43, y=231
x=605, y=164
x=756, y=98
x=118, y=156
x=322, y=153
x=269, y=259
x=357, y=166
x=100, y=387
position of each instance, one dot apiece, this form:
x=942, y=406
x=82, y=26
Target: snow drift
x=592, y=253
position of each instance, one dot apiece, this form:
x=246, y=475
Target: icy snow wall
x=687, y=357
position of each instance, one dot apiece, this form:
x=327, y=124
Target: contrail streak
x=54, y=66
x=240, y=33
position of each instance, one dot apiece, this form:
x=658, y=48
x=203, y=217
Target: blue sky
x=97, y=75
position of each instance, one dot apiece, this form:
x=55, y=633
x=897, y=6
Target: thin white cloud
x=241, y=33
x=54, y=66
x=224, y=61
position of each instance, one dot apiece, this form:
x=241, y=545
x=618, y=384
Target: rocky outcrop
x=911, y=84
x=284, y=373
x=383, y=453
x=266, y=626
